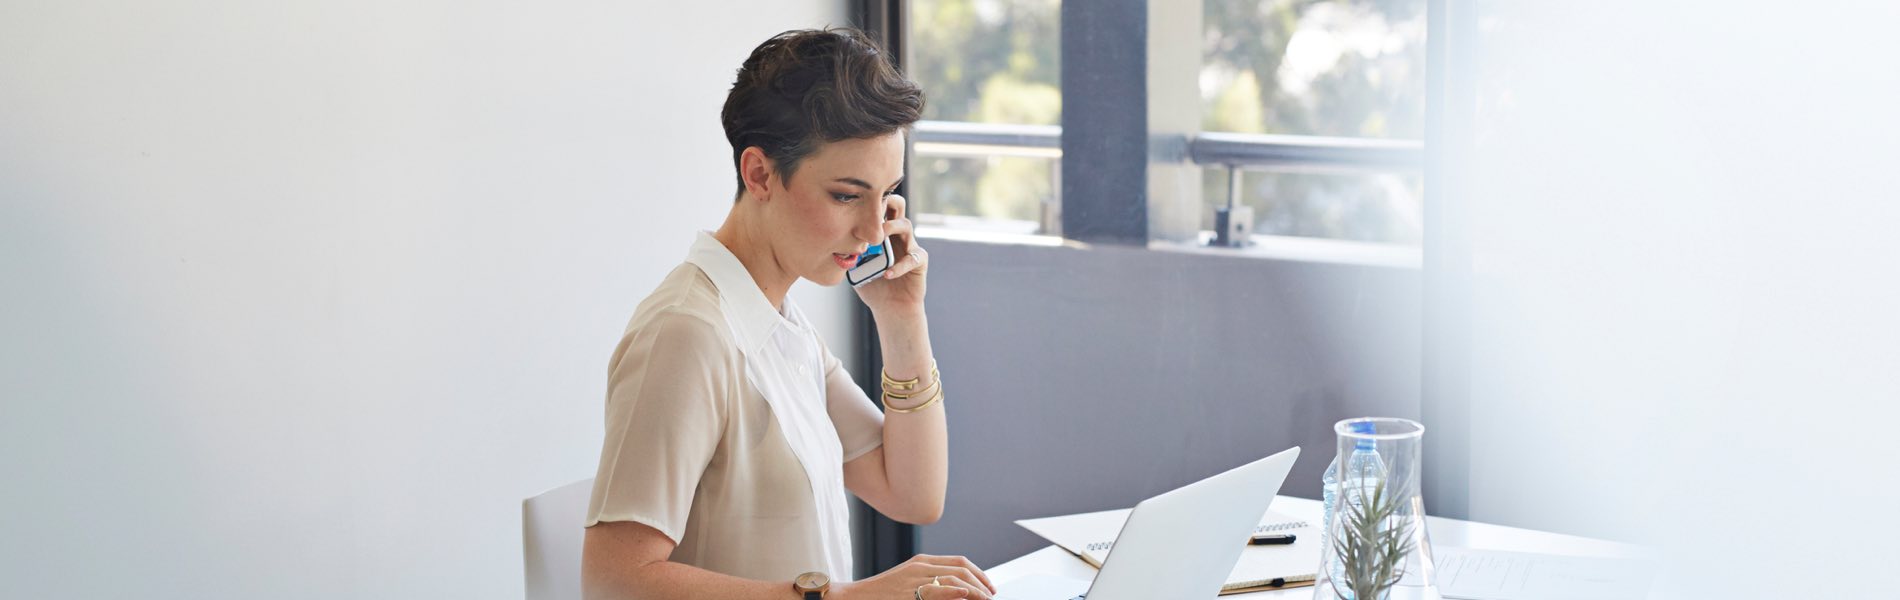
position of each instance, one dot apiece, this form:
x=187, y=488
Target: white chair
x=551, y=535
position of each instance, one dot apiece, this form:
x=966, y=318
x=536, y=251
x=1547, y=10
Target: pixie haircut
x=804, y=88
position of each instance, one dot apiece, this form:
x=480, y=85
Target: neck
x=742, y=235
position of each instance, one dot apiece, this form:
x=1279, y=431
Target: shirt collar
x=751, y=314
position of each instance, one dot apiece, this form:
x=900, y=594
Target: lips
x=845, y=261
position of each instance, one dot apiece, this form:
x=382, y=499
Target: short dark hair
x=807, y=87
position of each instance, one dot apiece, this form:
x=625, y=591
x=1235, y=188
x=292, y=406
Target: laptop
x=1180, y=544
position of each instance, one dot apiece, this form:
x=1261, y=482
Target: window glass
x=1344, y=68
x=995, y=187
x=1337, y=68
x=986, y=61
x=1351, y=68
x=1367, y=207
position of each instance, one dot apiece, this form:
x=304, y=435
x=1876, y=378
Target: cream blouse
x=728, y=426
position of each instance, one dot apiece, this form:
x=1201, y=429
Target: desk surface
x=1053, y=560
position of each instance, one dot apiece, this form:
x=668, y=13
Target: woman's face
x=833, y=206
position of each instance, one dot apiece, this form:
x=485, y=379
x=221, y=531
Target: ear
x=757, y=170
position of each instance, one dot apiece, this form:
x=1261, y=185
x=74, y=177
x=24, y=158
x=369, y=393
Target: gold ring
x=918, y=593
x=937, y=581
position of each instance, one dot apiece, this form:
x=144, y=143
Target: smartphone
x=874, y=260
x=871, y=264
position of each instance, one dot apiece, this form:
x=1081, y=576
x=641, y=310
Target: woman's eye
x=844, y=197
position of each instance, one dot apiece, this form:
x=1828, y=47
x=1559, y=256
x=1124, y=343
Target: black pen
x=1272, y=539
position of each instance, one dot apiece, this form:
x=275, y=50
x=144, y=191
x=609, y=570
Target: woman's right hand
x=925, y=576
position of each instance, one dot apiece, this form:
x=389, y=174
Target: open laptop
x=1181, y=544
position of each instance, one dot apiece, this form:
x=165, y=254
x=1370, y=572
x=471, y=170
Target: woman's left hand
x=901, y=287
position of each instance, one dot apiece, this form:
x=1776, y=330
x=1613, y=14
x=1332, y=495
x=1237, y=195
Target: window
x=1315, y=108
x=1369, y=207
x=989, y=62
x=1333, y=68
x=1342, y=68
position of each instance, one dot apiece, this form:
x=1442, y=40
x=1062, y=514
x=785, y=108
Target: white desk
x=1053, y=560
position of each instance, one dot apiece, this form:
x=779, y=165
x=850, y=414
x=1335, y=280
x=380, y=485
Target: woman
x=732, y=432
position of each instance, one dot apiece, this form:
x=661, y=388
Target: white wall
x=1685, y=306
x=302, y=299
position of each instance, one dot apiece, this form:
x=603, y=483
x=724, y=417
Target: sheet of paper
x=1075, y=532
x=1468, y=574
x=1091, y=535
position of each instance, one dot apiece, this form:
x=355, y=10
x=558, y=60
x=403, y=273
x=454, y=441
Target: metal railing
x=1206, y=148
x=1233, y=151
x=959, y=133
x=1315, y=152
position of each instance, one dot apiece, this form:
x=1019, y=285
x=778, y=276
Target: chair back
x=551, y=535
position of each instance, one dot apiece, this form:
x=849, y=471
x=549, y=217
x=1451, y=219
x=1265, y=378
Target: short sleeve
x=860, y=424
x=665, y=414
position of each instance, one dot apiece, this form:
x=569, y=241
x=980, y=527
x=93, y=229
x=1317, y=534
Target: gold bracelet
x=909, y=384
x=933, y=400
x=902, y=386
x=934, y=382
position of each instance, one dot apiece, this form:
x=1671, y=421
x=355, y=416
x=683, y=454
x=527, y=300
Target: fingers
x=900, y=230
x=980, y=575
x=899, y=226
x=897, y=206
x=958, y=582
x=960, y=567
x=909, y=255
x=910, y=262
x=942, y=592
x=948, y=577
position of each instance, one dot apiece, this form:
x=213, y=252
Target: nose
x=869, y=227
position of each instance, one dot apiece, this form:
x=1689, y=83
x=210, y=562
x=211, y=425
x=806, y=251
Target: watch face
x=813, y=581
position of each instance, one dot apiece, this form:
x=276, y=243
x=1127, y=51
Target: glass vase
x=1376, y=544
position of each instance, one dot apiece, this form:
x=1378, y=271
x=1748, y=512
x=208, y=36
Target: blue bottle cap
x=1364, y=427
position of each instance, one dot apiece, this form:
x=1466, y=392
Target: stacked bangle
x=934, y=398
x=908, y=385
x=907, y=389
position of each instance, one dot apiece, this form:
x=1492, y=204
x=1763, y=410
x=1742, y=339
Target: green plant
x=1372, y=543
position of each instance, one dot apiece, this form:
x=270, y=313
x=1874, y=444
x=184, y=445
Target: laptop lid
x=1184, y=543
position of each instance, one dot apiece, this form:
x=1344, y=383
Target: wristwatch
x=812, y=585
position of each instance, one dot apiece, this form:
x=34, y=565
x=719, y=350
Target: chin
x=831, y=277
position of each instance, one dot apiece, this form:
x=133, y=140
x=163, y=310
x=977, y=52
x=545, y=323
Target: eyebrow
x=860, y=182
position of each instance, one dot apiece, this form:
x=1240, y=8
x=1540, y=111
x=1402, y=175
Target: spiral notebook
x=1091, y=536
